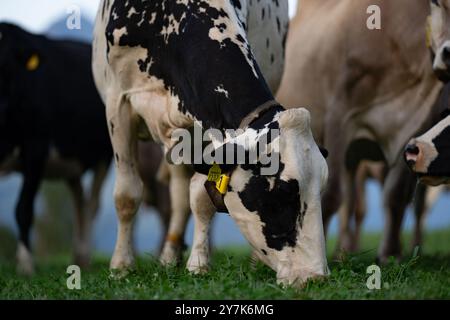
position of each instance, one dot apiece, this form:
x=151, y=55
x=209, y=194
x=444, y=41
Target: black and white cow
x=52, y=126
x=428, y=155
x=170, y=64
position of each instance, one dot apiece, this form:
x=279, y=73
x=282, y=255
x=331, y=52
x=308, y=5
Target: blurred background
x=54, y=209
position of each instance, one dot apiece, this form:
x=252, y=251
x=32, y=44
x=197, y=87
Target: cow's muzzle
x=419, y=155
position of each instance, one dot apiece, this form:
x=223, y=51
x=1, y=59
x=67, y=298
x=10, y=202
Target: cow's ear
x=324, y=152
x=33, y=61
x=27, y=56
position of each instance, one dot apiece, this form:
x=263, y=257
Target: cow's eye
x=435, y=2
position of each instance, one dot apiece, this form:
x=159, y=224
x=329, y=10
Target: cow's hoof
x=197, y=264
x=121, y=266
x=25, y=264
x=118, y=274
x=25, y=269
x=171, y=255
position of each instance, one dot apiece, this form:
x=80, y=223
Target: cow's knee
x=127, y=199
x=126, y=206
x=128, y=194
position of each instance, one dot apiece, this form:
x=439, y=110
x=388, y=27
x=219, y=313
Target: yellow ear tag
x=222, y=183
x=33, y=62
x=221, y=180
x=214, y=173
x=429, y=32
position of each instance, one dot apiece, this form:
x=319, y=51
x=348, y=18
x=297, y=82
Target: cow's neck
x=223, y=99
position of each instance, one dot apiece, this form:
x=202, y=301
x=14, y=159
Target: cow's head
x=438, y=34
x=429, y=154
x=280, y=213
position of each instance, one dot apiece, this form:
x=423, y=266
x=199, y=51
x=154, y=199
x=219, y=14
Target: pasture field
x=232, y=276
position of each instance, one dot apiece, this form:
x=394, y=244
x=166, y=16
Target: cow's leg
x=33, y=157
x=419, y=206
x=179, y=199
x=397, y=192
x=163, y=206
x=163, y=199
x=148, y=106
x=424, y=199
x=360, y=207
x=203, y=210
x=93, y=202
x=346, y=212
x=84, y=247
x=360, y=213
x=81, y=254
x=333, y=195
x=128, y=185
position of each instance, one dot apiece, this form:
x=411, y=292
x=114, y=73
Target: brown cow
x=368, y=92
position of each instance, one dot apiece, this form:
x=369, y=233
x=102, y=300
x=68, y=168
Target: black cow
x=52, y=125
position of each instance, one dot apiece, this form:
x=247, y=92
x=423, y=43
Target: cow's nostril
x=412, y=149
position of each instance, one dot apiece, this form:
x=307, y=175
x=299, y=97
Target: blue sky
x=37, y=15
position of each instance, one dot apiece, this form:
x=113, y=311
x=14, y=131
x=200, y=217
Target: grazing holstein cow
x=51, y=126
x=165, y=65
x=369, y=91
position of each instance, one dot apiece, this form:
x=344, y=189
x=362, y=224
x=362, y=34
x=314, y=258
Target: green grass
x=426, y=276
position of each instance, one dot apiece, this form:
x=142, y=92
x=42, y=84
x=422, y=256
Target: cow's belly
x=56, y=167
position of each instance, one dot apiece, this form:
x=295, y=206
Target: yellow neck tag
x=33, y=62
x=429, y=32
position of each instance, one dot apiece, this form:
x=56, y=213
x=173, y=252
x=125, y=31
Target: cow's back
x=340, y=69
